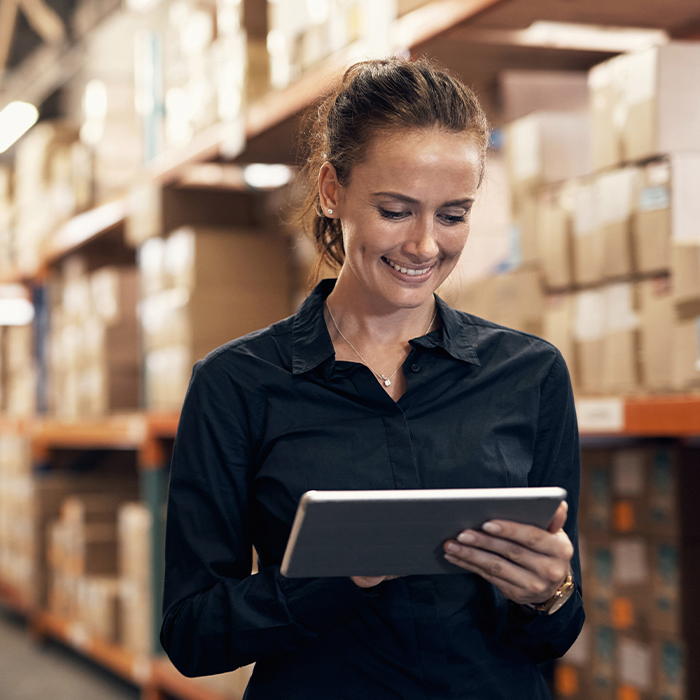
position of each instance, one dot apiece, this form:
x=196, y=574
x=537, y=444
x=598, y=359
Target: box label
x=630, y=562
x=601, y=415
x=654, y=198
x=635, y=664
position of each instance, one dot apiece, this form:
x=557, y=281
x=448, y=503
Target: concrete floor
x=30, y=671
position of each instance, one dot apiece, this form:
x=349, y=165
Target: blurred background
x=148, y=162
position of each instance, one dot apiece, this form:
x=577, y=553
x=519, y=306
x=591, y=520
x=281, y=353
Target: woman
x=376, y=383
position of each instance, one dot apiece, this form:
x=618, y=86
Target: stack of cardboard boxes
x=52, y=181
x=94, y=359
x=639, y=565
x=203, y=287
x=605, y=212
x=29, y=502
x=18, y=371
x=99, y=568
x=16, y=548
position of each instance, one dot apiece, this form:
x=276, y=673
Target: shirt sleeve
x=216, y=615
x=556, y=462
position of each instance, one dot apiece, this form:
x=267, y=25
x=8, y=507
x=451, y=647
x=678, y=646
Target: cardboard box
x=621, y=362
x=630, y=607
x=526, y=91
x=606, y=118
x=686, y=354
x=554, y=238
x=136, y=622
x=590, y=326
x=220, y=285
x=135, y=558
x=651, y=224
x=524, y=230
x=614, y=199
x=547, y=147
x=661, y=100
x=518, y=300
x=588, y=238
x=558, y=329
x=634, y=667
x=656, y=333
x=685, y=276
x=630, y=479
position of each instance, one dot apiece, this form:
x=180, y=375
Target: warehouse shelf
x=657, y=416
x=411, y=30
x=671, y=415
x=14, y=599
x=134, y=668
x=128, y=431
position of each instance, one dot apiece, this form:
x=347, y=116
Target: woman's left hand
x=527, y=563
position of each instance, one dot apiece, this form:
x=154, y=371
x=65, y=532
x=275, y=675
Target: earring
x=330, y=211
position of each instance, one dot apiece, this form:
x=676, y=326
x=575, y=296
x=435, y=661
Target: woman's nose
x=422, y=241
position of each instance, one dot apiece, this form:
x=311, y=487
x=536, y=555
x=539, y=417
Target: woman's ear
x=329, y=191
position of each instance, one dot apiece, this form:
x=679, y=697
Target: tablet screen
x=400, y=533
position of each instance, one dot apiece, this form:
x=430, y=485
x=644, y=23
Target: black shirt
x=272, y=415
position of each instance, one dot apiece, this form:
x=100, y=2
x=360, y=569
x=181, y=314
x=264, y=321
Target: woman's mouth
x=412, y=272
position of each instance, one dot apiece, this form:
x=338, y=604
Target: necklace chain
x=386, y=380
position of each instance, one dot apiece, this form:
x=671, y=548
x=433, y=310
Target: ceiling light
x=589, y=37
x=266, y=176
x=16, y=312
x=16, y=119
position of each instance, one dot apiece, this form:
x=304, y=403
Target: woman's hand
x=526, y=563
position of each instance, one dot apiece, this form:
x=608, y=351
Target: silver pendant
x=387, y=382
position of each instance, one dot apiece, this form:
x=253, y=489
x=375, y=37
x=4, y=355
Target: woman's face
x=405, y=214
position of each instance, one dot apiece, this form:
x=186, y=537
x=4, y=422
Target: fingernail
x=492, y=528
x=466, y=537
x=452, y=547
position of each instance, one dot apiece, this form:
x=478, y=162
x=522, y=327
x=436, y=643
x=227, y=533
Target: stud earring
x=330, y=211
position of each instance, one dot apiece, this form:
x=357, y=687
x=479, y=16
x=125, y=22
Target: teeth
x=407, y=271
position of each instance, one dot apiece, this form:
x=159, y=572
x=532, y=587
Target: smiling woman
x=376, y=383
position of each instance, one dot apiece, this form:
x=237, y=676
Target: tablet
x=400, y=533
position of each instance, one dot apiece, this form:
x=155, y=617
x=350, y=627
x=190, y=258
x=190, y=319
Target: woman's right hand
x=370, y=581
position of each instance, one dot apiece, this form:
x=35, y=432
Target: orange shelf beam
x=674, y=416
x=14, y=598
x=128, y=431
x=135, y=668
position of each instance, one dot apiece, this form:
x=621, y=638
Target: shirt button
x=415, y=368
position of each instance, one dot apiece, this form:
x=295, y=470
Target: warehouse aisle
x=36, y=672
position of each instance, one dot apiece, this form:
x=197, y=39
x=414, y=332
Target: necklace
x=386, y=380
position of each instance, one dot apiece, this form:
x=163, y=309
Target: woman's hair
x=373, y=96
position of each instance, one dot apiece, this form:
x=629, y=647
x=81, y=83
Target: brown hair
x=386, y=94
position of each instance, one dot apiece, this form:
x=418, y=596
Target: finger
x=559, y=517
x=515, y=582
x=549, y=560
x=513, y=563
x=528, y=536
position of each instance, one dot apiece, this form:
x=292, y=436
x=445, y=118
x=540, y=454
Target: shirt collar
x=312, y=345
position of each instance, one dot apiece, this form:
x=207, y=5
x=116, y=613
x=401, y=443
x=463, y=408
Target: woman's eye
x=454, y=218
x=389, y=214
